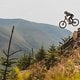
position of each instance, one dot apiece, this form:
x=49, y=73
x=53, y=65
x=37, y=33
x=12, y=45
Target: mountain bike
x=63, y=23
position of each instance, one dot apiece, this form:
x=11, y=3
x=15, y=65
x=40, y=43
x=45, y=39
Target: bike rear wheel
x=62, y=24
x=75, y=22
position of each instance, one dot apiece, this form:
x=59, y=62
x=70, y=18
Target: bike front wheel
x=75, y=22
x=62, y=24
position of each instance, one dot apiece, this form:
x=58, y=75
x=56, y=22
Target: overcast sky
x=42, y=11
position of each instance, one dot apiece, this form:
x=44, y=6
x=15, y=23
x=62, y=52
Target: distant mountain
x=29, y=35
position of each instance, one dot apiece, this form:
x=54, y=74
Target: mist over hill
x=29, y=35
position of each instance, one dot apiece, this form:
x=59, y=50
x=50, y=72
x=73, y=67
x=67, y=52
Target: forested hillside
x=56, y=63
x=30, y=34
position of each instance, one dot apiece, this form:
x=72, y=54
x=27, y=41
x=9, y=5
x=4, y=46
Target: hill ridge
x=33, y=34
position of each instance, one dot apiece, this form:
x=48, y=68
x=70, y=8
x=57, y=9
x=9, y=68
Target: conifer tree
x=52, y=56
x=7, y=60
x=52, y=49
x=40, y=54
x=24, y=62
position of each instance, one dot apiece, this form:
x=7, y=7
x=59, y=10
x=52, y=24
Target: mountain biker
x=69, y=16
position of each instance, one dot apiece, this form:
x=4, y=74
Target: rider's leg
x=70, y=20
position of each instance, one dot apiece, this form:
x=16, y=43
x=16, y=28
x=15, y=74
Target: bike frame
x=66, y=19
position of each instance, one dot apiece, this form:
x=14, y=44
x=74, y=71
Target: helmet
x=65, y=12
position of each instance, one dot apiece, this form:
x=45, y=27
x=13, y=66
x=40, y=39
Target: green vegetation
x=6, y=61
x=41, y=65
x=24, y=62
x=40, y=54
